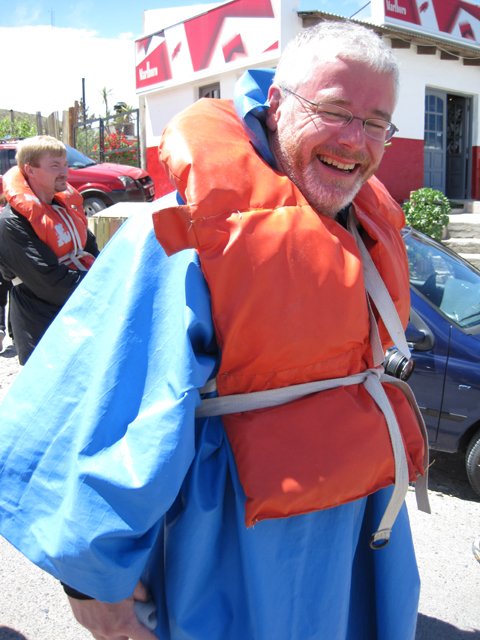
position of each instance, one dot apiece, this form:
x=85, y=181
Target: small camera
x=397, y=365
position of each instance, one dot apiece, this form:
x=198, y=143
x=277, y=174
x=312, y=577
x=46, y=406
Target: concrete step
x=464, y=225
x=472, y=206
x=463, y=235
x=463, y=245
x=466, y=206
x=463, y=232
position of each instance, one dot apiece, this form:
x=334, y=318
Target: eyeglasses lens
x=335, y=115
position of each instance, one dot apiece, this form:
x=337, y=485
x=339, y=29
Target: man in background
x=46, y=247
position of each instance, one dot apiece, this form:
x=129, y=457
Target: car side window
x=11, y=158
x=449, y=284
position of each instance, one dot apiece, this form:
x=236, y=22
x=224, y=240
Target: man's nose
x=353, y=134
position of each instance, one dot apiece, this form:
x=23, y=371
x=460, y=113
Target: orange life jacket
x=289, y=307
x=62, y=226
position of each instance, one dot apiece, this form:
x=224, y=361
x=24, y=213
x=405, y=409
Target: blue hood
x=251, y=104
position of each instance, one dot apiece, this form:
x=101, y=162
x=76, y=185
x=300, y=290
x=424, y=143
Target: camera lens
x=397, y=365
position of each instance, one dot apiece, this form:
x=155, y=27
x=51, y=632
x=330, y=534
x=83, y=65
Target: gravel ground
x=32, y=603
x=9, y=366
x=33, y=607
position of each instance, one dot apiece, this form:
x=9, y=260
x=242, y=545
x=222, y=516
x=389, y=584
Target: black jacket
x=47, y=285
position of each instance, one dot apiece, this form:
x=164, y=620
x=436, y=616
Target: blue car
x=444, y=336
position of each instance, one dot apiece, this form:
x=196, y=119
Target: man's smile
x=347, y=168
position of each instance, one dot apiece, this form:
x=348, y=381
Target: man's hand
x=113, y=621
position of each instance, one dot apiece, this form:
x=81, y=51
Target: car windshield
x=77, y=160
x=447, y=282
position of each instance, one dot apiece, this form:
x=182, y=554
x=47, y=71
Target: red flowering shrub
x=119, y=149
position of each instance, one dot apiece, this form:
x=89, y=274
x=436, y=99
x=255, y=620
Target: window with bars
x=434, y=110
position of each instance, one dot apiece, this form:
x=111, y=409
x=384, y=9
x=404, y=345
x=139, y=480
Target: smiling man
x=45, y=245
x=229, y=475
x=328, y=132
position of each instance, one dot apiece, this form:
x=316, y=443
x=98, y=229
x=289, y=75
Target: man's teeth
x=339, y=165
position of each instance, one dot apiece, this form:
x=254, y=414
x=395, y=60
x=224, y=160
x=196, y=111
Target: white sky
x=46, y=67
x=46, y=64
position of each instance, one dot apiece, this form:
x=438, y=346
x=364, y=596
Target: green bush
x=19, y=128
x=427, y=211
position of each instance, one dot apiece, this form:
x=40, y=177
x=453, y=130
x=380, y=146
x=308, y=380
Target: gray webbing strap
x=371, y=379
x=401, y=468
x=209, y=387
x=421, y=484
x=379, y=293
x=377, y=290
x=237, y=403
x=375, y=341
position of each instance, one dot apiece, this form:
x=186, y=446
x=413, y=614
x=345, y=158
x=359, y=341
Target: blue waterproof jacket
x=106, y=477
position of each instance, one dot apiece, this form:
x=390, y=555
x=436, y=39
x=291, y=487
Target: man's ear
x=28, y=170
x=274, y=98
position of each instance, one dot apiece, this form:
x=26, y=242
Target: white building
x=202, y=51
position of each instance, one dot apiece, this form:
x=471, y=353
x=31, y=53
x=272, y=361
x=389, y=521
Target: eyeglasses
x=333, y=115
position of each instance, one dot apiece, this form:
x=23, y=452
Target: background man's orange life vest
x=62, y=226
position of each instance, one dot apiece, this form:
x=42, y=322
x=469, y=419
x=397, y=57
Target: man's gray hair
x=329, y=40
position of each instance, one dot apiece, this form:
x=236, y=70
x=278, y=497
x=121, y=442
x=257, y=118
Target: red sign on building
x=210, y=41
x=454, y=19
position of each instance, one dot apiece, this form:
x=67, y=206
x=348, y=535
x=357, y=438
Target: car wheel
x=473, y=462
x=93, y=205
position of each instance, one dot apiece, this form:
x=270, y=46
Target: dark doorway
x=447, y=143
x=457, y=147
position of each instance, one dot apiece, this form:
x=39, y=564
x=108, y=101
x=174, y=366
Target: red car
x=101, y=185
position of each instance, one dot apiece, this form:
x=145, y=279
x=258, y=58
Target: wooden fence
x=52, y=127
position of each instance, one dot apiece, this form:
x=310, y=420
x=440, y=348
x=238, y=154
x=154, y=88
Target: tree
x=83, y=114
x=106, y=93
x=17, y=129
